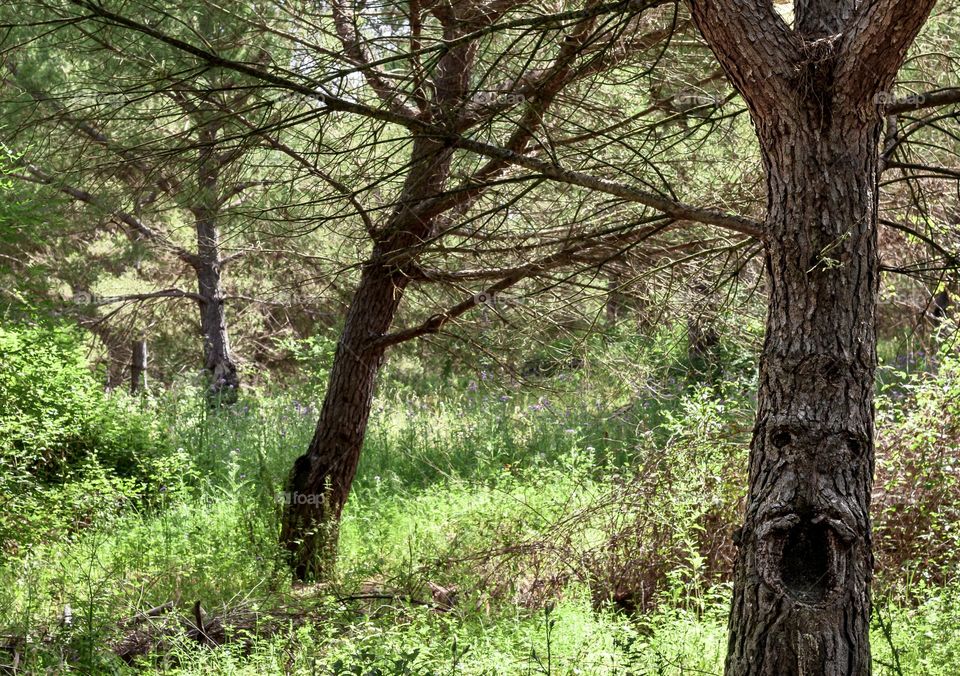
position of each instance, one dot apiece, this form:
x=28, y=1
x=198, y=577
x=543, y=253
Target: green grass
x=549, y=514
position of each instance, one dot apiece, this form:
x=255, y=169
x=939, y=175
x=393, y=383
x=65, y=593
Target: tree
x=802, y=583
x=814, y=94
x=444, y=99
x=157, y=144
x=428, y=209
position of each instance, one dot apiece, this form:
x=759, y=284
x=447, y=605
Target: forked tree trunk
x=802, y=581
x=801, y=600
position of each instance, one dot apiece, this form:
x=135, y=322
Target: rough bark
x=321, y=478
x=218, y=362
x=801, y=602
x=802, y=580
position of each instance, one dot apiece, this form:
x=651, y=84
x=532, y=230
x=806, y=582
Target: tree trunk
x=802, y=580
x=138, y=367
x=801, y=598
x=615, y=300
x=321, y=478
x=218, y=363
x=117, y=359
x=702, y=336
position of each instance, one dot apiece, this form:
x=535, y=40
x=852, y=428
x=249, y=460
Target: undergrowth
x=578, y=527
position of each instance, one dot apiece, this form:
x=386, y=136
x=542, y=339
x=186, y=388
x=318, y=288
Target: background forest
x=559, y=366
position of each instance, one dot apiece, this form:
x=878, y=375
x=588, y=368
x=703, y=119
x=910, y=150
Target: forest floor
x=494, y=528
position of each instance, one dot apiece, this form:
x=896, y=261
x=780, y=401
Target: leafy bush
x=917, y=490
x=53, y=412
x=67, y=449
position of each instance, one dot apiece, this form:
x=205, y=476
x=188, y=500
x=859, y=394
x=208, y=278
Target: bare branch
x=151, y=295
x=436, y=322
x=356, y=50
x=934, y=99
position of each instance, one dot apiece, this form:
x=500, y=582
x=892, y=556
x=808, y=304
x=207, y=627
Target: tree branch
x=874, y=47
x=756, y=48
x=130, y=161
x=357, y=52
x=37, y=175
x=436, y=322
x=941, y=171
x=934, y=99
x=140, y=297
x=672, y=208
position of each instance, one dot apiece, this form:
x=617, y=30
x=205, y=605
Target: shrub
x=60, y=432
x=917, y=489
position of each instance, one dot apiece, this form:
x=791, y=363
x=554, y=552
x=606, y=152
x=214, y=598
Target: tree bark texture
x=801, y=602
x=218, y=363
x=802, y=581
x=321, y=478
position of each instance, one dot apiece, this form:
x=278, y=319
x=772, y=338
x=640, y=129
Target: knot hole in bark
x=781, y=438
x=855, y=446
x=808, y=562
x=833, y=370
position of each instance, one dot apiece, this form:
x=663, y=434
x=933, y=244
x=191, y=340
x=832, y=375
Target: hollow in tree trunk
x=802, y=581
x=801, y=600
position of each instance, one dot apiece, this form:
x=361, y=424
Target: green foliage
x=576, y=527
x=917, y=491
x=54, y=413
x=70, y=453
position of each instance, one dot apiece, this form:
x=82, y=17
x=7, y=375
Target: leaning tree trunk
x=802, y=580
x=321, y=478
